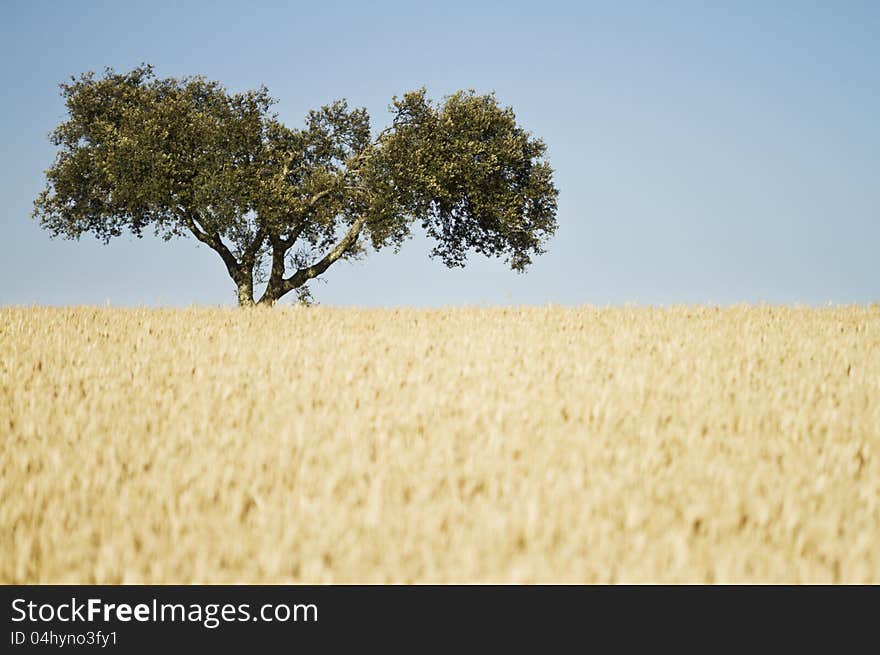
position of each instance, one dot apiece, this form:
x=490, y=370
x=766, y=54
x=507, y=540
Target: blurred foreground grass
x=689, y=444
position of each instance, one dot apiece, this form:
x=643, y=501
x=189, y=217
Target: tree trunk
x=245, y=285
x=274, y=289
x=270, y=297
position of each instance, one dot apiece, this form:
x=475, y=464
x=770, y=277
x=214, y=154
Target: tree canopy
x=185, y=157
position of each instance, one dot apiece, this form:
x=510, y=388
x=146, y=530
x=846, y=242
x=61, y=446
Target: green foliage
x=186, y=157
x=471, y=174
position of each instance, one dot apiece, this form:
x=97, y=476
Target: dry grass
x=476, y=445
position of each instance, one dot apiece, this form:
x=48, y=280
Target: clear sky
x=705, y=151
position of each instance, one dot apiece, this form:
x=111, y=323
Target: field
x=546, y=444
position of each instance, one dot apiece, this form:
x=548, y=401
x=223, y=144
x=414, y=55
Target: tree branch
x=319, y=196
x=213, y=241
x=303, y=275
x=297, y=231
x=251, y=251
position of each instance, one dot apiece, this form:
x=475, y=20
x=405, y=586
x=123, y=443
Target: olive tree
x=185, y=157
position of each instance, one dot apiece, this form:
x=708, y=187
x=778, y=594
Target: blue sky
x=705, y=151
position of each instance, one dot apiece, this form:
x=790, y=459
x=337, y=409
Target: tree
x=279, y=205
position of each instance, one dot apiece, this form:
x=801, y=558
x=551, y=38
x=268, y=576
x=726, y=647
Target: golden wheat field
x=545, y=444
